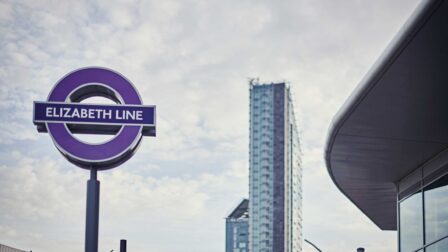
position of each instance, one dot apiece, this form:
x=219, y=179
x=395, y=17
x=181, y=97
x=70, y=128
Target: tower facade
x=275, y=195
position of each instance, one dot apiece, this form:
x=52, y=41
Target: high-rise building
x=237, y=228
x=275, y=171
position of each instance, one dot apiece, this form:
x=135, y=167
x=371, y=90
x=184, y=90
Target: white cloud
x=13, y=132
x=40, y=196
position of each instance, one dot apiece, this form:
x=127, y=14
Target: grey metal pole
x=122, y=245
x=312, y=244
x=92, y=212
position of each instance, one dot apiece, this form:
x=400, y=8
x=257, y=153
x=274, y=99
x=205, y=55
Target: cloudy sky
x=192, y=59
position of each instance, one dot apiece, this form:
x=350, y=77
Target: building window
x=436, y=210
x=411, y=223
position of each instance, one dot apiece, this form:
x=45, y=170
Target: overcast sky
x=193, y=60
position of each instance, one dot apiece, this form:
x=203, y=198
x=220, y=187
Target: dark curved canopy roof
x=396, y=119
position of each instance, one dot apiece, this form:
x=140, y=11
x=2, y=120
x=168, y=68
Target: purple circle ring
x=99, y=156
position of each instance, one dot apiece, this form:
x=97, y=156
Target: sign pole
x=122, y=245
x=92, y=212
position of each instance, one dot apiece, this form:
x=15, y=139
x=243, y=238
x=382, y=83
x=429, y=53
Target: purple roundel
x=99, y=156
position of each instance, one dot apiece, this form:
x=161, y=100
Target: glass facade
x=424, y=218
x=237, y=235
x=411, y=223
x=275, y=172
x=436, y=210
x=237, y=229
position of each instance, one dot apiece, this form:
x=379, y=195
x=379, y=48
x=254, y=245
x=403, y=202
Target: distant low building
x=237, y=228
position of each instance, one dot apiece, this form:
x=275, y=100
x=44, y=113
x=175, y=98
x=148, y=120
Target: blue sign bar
x=80, y=113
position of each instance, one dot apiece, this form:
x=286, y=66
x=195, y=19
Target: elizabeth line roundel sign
x=62, y=116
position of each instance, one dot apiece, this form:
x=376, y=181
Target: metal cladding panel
x=395, y=121
x=279, y=169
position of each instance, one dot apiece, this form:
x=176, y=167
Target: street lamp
x=313, y=245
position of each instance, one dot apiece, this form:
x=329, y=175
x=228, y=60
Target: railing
x=4, y=248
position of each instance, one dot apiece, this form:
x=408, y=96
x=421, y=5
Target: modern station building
x=274, y=171
x=237, y=228
x=387, y=148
